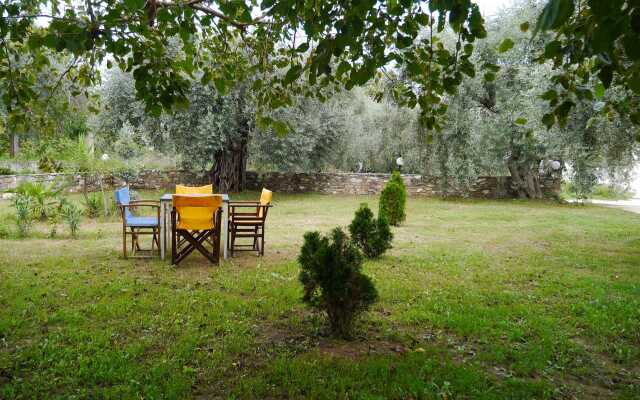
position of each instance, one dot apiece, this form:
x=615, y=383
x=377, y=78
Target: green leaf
x=280, y=128
x=599, y=90
x=553, y=49
x=520, y=121
x=548, y=120
x=606, y=75
x=506, y=45
x=554, y=14
x=221, y=85
x=292, y=74
x=549, y=95
x=634, y=83
x=489, y=77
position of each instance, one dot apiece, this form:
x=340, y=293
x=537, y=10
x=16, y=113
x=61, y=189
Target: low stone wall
x=285, y=182
x=149, y=180
x=487, y=187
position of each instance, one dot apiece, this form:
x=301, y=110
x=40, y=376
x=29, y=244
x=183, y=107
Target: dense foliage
x=178, y=101
x=393, y=200
x=496, y=127
x=277, y=42
x=332, y=279
x=594, y=41
x=372, y=235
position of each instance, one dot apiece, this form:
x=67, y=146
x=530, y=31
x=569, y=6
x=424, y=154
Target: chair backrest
x=196, y=211
x=182, y=189
x=123, y=197
x=265, y=200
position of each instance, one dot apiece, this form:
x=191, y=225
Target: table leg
x=225, y=229
x=163, y=230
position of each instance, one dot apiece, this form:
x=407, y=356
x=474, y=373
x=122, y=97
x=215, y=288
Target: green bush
x=4, y=232
x=333, y=281
x=54, y=221
x=6, y=171
x=72, y=215
x=24, y=220
x=393, y=200
x=42, y=196
x=373, y=236
x=93, y=205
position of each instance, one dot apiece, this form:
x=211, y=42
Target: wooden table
x=165, y=223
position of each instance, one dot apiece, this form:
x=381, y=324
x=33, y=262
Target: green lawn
x=478, y=299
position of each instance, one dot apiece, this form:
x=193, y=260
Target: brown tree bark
x=525, y=179
x=229, y=167
x=14, y=146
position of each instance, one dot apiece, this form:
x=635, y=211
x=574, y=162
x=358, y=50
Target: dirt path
x=632, y=205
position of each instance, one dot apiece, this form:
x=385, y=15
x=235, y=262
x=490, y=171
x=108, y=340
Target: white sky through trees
x=490, y=7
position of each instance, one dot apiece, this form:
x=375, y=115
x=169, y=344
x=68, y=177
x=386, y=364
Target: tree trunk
x=229, y=167
x=525, y=180
x=14, y=145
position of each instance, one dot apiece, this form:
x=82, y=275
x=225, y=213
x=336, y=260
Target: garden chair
x=195, y=224
x=247, y=220
x=135, y=226
x=182, y=189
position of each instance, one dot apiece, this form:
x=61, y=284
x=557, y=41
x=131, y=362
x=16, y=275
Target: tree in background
x=495, y=124
x=322, y=43
x=211, y=134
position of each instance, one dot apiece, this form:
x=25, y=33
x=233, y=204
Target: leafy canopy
x=277, y=43
x=593, y=40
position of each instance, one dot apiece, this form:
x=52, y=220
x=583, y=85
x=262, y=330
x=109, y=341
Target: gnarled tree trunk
x=229, y=167
x=525, y=178
x=228, y=171
x=230, y=164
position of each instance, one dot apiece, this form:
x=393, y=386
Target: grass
x=600, y=192
x=478, y=299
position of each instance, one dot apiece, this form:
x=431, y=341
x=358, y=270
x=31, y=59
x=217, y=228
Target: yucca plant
x=24, y=219
x=93, y=204
x=42, y=196
x=72, y=214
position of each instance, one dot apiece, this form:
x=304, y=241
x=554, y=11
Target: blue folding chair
x=135, y=226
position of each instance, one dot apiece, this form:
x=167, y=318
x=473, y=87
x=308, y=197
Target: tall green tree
x=277, y=43
x=495, y=123
x=592, y=40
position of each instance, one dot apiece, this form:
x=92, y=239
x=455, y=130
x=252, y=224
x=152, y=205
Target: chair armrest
x=243, y=202
x=140, y=204
x=234, y=206
x=144, y=202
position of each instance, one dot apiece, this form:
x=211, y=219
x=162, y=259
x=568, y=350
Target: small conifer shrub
x=332, y=279
x=372, y=235
x=393, y=200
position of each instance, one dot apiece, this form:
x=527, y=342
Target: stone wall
x=285, y=182
x=150, y=180
x=487, y=187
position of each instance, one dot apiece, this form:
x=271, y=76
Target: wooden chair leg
x=124, y=242
x=233, y=240
x=262, y=238
x=173, y=237
x=255, y=238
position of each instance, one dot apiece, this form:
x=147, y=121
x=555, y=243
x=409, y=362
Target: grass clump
x=373, y=236
x=93, y=203
x=333, y=281
x=23, y=205
x=72, y=215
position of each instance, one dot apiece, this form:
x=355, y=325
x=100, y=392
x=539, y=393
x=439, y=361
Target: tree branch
x=195, y=4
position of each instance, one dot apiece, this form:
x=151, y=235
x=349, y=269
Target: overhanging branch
x=196, y=5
